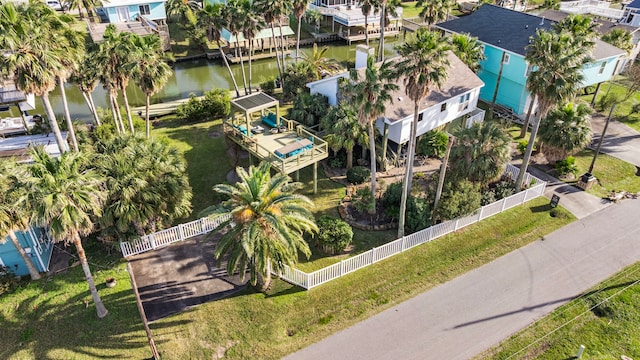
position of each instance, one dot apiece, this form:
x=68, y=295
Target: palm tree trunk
x=95, y=110
x=275, y=45
x=244, y=76
x=264, y=280
x=443, y=171
x=284, y=64
x=101, y=310
x=250, y=61
x=525, y=126
x=35, y=275
x=408, y=174
x=366, y=29
x=527, y=154
x=226, y=63
x=298, y=39
x=146, y=117
x=86, y=100
x=67, y=115
x=53, y=123
x=349, y=158
x=127, y=109
x=24, y=122
x=372, y=149
x=383, y=22
x=114, y=113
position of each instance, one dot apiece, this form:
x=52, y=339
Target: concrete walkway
x=465, y=316
x=620, y=141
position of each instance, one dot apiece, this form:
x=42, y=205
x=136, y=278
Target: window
x=528, y=70
x=420, y=117
x=506, y=58
x=463, y=103
x=443, y=107
x=602, y=66
x=144, y=9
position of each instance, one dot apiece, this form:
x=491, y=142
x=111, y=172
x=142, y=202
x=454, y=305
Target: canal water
x=193, y=77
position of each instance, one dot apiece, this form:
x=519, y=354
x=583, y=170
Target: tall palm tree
x=285, y=11
x=344, y=131
x=468, y=49
x=556, y=79
x=320, y=65
x=85, y=77
x=424, y=66
x=212, y=17
x=371, y=92
x=619, y=38
x=183, y=8
x=236, y=19
x=367, y=7
x=480, y=153
x=299, y=9
x=565, y=131
x=152, y=72
x=387, y=7
x=62, y=194
x=265, y=230
x=13, y=217
x=434, y=11
x=272, y=11
x=31, y=58
x=253, y=23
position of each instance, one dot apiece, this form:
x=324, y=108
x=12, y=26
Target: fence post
x=202, y=230
x=373, y=255
x=455, y=227
x=504, y=203
x=341, y=267
x=308, y=283
x=152, y=240
x=480, y=215
x=402, y=246
x=430, y=233
x=180, y=232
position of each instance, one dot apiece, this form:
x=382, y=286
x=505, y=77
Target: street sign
x=555, y=199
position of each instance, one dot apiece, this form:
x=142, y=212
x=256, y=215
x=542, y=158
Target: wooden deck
x=263, y=146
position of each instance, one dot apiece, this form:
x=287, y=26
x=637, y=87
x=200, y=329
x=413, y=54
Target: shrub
x=337, y=162
x=433, y=144
x=488, y=197
x=215, y=104
x=268, y=86
x=308, y=109
x=363, y=201
x=335, y=235
x=522, y=146
x=417, y=215
x=358, y=175
x=458, y=199
x=567, y=166
x=504, y=188
x=391, y=200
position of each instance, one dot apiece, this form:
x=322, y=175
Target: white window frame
x=1, y=262
x=528, y=70
x=143, y=7
x=463, y=102
x=602, y=67
x=506, y=58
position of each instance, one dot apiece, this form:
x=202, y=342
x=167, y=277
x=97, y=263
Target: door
x=123, y=13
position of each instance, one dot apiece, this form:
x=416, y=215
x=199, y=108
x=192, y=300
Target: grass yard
x=622, y=112
x=589, y=320
x=612, y=173
x=37, y=318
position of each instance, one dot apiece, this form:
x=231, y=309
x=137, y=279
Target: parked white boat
x=14, y=126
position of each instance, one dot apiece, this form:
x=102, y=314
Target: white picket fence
x=310, y=280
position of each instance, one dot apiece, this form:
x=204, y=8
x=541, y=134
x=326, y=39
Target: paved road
x=620, y=140
x=475, y=311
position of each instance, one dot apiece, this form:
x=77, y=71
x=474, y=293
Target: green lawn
x=608, y=330
x=622, y=112
x=612, y=173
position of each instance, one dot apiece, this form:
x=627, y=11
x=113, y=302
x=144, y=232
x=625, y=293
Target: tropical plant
x=253, y=23
x=32, y=57
x=480, y=153
x=152, y=71
x=13, y=218
x=358, y=175
x=298, y=74
x=619, y=38
x=308, y=109
x=565, y=131
x=424, y=66
x=212, y=17
x=334, y=234
x=85, y=77
x=433, y=144
x=435, y=11
x=371, y=92
x=343, y=130
x=272, y=11
x=320, y=65
x=235, y=12
x=299, y=9
x=468, y=49
x=366, y=6
x=551, y=4
x=266, y=224
x=184, y=9
x=313, y=16
x=458, y=199
x=567, y=166
x=386, y=8
x=145, y=194
x=556, y=78
x=582, y=28
x=61, y=193
x=215, y=104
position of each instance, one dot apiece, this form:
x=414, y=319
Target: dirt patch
x=215, y=134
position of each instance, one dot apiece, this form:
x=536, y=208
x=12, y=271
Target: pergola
x=253, y=103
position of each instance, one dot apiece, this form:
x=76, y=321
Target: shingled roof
x=604, y=26
x=511, y=30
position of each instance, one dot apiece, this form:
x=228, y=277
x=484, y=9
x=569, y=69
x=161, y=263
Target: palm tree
x=424, y=66
x=619, y=38
x=434, y=11
x=13, y=217
x=387, y=7
x=556, y=79
x=86, y=79
x=371, y=92
x=565, y=131
x=62, y=194
x=366, y=6
x=313, y=16
x=31, y=58
x=344, y=131
x=266, y=225
x=183, y=8
x=212, y=17
x=253, y=23
x=320, y=65
x=299, y=9
x=480, y=153
x=272, y=11
x=152, y=71
x=236, y=19
x=468, y=49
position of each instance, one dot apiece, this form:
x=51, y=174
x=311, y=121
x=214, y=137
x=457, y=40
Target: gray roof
x=511, y=30
x=460, y=80
x=634, y=5
x=254, y=102
x=604, y=26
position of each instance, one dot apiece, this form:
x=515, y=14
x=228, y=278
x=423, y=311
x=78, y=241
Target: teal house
x=121, y=11
x=505, y=35
x=36, y=243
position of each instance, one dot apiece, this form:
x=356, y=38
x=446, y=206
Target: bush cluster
x=567, y=166
x=358, y=175
x=433, y=144
x=335, y=234
x=214, y=105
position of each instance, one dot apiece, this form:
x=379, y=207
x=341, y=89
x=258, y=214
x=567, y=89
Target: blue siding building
x=119, y=11
x=505, y=35
x=36, y=243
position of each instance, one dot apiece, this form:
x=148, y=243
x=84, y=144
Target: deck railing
x=310, y=280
